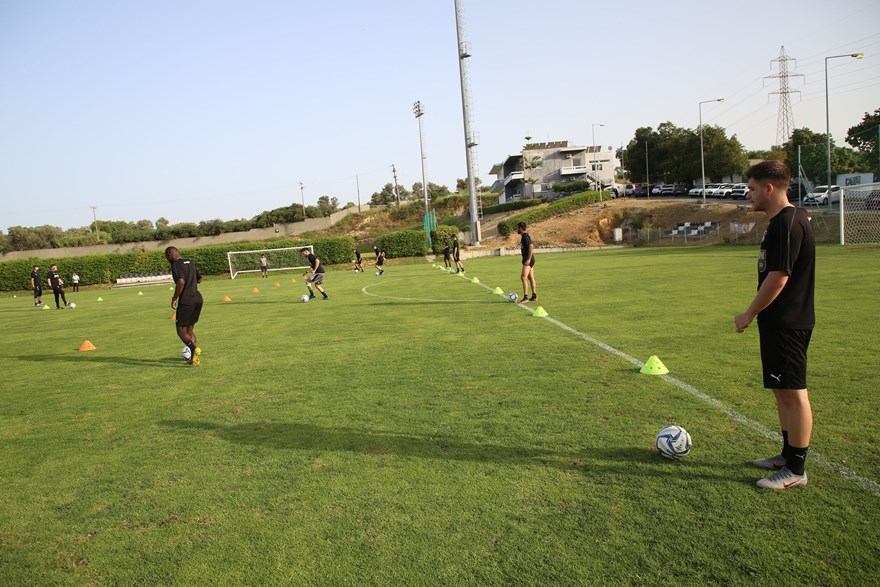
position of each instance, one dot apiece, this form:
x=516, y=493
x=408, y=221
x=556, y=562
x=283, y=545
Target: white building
x=532, y=172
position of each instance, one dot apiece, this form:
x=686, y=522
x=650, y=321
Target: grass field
x=430, y=433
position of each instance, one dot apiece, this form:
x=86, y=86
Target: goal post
x=282, y=259
x=860, y=214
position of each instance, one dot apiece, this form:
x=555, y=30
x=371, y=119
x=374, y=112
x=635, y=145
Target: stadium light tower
x=702, y=156
x=601, y=188
x=418, y=112
x=828, y=122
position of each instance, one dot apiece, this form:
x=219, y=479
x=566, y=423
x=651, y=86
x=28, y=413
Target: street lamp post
x=418, y=112
x=526, y=165
x=601, y=187
x=828, y=122
x=702, y=156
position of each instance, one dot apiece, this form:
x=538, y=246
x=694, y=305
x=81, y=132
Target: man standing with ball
x=528, y=264
x=186, y=281
x=784, y=309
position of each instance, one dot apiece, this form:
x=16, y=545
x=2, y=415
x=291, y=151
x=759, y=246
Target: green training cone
x=171, y=288
x=475, y=280
x=498, y=291
x=654, y=366
x=100, y=299
x=140, y=293
x=539, y=312
x=46, y=307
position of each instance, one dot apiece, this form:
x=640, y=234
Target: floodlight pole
x=302, y=194
x=702, y=156
x=418, y=112
x=95, y=217
x=601, y=187
x=828, y=125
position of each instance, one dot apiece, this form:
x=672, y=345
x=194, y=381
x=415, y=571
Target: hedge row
x=569, y=204
x=105, y=269
x=571, y=187
x=510, y=206
x=441, y=235
x=405, y=243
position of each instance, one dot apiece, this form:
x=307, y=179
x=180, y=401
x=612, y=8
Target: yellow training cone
x=171, y=288
x=87, y=346
x=140, y=293
x=475, y=280
x=654, y=366
x=100, y=299
x=46, y=307
x=539, y=312
x=498, y=291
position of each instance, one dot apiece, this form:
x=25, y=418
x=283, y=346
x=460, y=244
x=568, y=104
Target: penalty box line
x=868, y=485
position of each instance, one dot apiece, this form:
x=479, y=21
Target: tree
x=461, y=184
x=386, y=195
x=162, y=222
x=328, y=205
x=864, y=137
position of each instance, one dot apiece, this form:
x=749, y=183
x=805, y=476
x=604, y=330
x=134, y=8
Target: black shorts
x=457, y=258
x=532, y=263
x=380, y=262
x=38, y=291
x=188, y=315
x=784, y=356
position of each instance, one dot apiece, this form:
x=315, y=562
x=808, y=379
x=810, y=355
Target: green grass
x=447, y=439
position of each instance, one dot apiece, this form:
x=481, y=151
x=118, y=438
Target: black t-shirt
x=455, y=246
x=524, y=244
x=187, y=270
x=788, y=245
x=54, y=279
x=357, y=255
x=446, y=251
x=313, y=262
x=35, y=275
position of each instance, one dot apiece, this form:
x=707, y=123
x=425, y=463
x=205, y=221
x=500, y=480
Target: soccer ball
x=377, y=273
x=72, y=306
x=304, y=298
x=512, y=297
x=186, y=353
x=673, y=442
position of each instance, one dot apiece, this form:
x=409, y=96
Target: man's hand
x=174, y=303
x=742, y=321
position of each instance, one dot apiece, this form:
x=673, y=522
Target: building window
x=597, y=167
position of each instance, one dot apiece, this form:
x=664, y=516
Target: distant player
x=785, y=313
x=447, y=257
x=186, y=279
x=528, y=264
x=75, y=279
x=264, y=266
x=37, y=286
x=456, y=256
x=358, y=263
x=380, y=259
x=317, y=276
x=57, y=284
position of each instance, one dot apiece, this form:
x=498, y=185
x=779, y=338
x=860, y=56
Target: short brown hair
x=771, y=171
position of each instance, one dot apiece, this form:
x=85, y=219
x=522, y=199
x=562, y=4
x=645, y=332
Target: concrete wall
x=288, y=230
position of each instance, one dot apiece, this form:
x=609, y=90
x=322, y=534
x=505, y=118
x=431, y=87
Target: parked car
x=667, y=190
x=739, y=191
x=657, y=189
x=819, y=195
x=721, y=191
x=696, y=192
x=681, y=189
x=630, y=188
x=641, y=192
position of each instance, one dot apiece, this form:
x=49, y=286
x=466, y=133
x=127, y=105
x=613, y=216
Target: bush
x=211, y=260
x=441, y=235
x=510, y=206
x=406, y=243
x=569, y=204
x=571, y=187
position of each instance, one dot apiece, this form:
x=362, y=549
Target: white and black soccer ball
x=304, y=298
x=512, y=297
x=377, y=273
x=673, y=442
x=72, y=305
x=186, y=353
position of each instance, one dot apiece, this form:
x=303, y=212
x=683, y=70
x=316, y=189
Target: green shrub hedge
x=571, y=187
x=405, y=243
x=441, y=235
x=510, y=206
x=105, y=269
x=569, y=204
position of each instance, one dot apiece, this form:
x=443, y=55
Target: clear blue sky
x=201, y=110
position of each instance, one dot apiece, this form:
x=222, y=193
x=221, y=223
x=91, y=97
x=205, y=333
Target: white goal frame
x=860, y=214
x=233, y=272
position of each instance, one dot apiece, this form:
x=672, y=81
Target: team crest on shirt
x=762, y=261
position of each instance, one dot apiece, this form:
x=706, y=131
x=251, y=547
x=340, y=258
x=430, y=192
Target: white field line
x=868, y=485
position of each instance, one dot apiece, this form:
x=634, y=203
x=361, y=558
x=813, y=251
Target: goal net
x=860, y=214
x=276, y=260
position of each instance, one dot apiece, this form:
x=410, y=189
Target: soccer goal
x=277, y=260
x=860, y=214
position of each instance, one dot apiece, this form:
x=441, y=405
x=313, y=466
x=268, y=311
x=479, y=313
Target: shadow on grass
x=90, y=357
x=593, y=462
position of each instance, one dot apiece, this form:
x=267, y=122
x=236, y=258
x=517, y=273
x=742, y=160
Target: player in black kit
x=784, y=309
x=37, y=286
x=57, y=284
x=528, y=264
x=317, y=276
x=189, y=308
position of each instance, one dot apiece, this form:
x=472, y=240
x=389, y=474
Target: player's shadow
x=594, y=462
x=90, y=357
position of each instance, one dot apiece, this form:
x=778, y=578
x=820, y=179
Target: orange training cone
x=227, y=299
x=174, y=316
x=87, y=346
x=255, y=290
x=292, y=280
x=277, y=284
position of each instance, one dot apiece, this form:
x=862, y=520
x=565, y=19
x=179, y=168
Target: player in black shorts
x=380, y=260
x=358, y=263
x=456, y=256
x=57, y=284
x=447, y=257
x=189, y=308
x=317, y=276
x=528, y=264
x=37, y=286
x=784, y=309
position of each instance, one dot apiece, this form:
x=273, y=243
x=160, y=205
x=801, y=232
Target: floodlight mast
x=469, y=138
